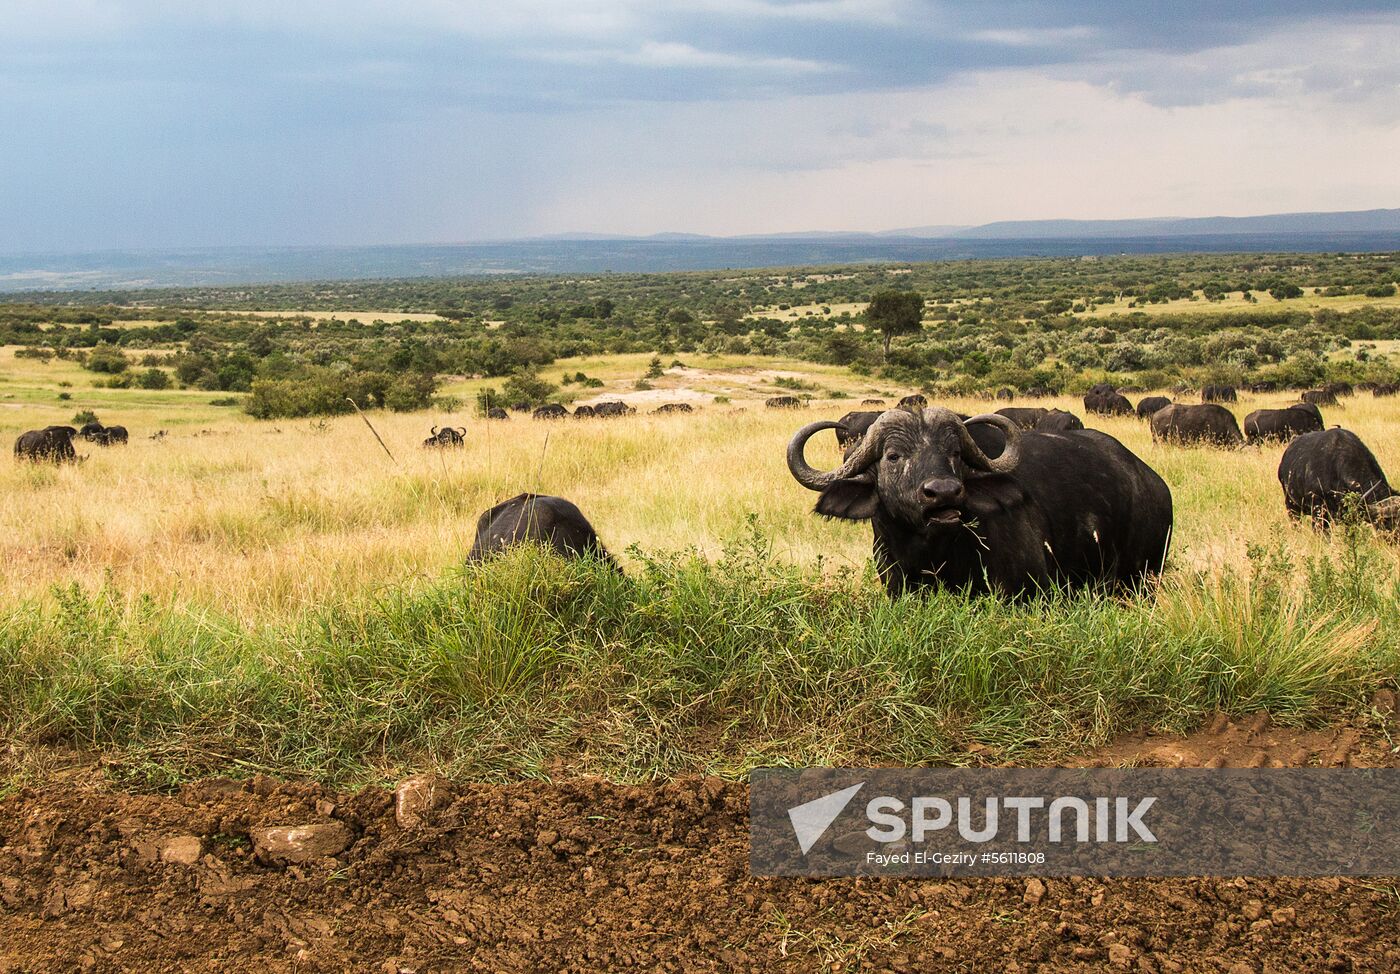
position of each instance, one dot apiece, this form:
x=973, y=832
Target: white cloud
x=1034, y=36
x=672, y=54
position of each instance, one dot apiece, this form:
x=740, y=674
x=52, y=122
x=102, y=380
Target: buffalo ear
x=851, y=499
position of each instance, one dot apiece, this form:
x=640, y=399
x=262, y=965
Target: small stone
x=1242, y=967
x=1120, y=955
x=1035, y=892
x=1285, y=916
x=415, y=797
x=1261, y=926
x=1253, y=910
x=325, y=808
x=300, y=843
x=181, y=850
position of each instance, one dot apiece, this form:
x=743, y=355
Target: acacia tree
x=895, y=313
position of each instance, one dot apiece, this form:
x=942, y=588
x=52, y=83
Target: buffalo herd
x=54, y=444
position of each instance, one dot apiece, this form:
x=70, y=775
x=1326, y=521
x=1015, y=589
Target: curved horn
x=433, y=432
x=861, y=457
x=1010, y=454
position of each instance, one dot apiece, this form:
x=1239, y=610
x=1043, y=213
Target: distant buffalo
x=852, y=426
x=1339, y=388
x=675, y=407
x=1320, y=397
x=916, y=401
x=95, y=432
x=612, y=409
x=52, y=443
x=1006, y=394
x=552, y=410
x=1219, y=393
x=496, y=412
x=520, y=407
x=584, y=412
x=1204, y=423
x=1323, y=472
x=1107, y=401
x=1025, y=417
x=1059, y=421
x=872, y=402
x=90, y=431
x=1146, y=407
x=1282, y=424
x=539, y=519
x=1263, y=387
x=1385, y=389
x=783, y=402
x=446, y=437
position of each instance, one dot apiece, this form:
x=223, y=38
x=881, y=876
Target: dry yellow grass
x=264, y=518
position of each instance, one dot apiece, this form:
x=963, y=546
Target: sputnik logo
x=811, y=819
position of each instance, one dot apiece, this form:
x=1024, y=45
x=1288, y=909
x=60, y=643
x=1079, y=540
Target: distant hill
x=1353, y=221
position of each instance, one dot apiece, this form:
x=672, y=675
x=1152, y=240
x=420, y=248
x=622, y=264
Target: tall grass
x=529, y=665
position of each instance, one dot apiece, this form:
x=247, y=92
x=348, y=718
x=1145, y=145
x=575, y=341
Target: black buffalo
x=1219, y=393
x=612, y=409
x=1149, y=405
x=551, y=410
x=1107, y=401
x=872, y=402
x=584, y=412
x=91, y=431
x=1006, y=394
x=1320, y=397
x=496, y=412
x=1203, y=423
x=53, y=443
x=783, y=402
x=446, y=437
x=1282, y=424
x=520, y=407
x=675, y=407
x=852, y=426
x=949, y=510
x=1385, y=389
x=1059, y=421
x=1025, y=417
x=539, y=519
x=916, y=401
x=1339, y=388
x=1325, y=472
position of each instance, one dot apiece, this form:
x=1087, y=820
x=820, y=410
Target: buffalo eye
x=892, y=457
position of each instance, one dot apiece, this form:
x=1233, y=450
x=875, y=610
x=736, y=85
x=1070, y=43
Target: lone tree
x=895, y=313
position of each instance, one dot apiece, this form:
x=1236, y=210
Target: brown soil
x=585, y=875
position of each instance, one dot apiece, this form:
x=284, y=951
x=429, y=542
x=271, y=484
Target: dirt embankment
x=586, y=875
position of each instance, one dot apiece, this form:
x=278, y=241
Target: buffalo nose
x=943, y=492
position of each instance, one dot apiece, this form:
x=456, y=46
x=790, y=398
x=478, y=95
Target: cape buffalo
x=1146, y=407
x=114, y=434
x=520, y=407
x=1025, y=417
x=1059, y=421
x=1204, y=423
x=1339, y=388
x=1319, y=397
x=446, y=437
x=1282, y=424
x=783, y=402
x=540, y=519
x=90, y=431
x=1049, y=508
x=1107, y=401
x=1218, y=393
x=1320, y=470
x=584, y=412
x=675, y=407
x=872, y=402
x=916, y=401
x=54, y=443
x=552, y=410
x=852, y=426
x=1006, y=394
x=1385, y=389
x=496, y=412
x=612, y=409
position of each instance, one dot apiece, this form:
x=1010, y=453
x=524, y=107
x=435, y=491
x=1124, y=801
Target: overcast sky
x=170, y=123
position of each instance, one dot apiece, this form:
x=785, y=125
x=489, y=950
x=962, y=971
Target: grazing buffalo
x=53, y=443
x=1218, y=393
x=1385, y=389
x=551, y=410
x=1006, y=394
x=952, y=510
x=1107, y=401
x=1320, y=397
x=851, y=427
x=1282, y=424
x=1263, y=387
x=496, y=412
x=783, y=402
x=520, y=407
x=584, y=412
x=1059, y=421
x=612, y=409
x=1025, y=417
x=446, y=437
x=1146, y=407
x=872, y=402
x=539, y=519
x=1339, y=388
x=916, y=401
x=1321, y=471
x=90, y=431
x=1204, y=423
x=115, y=434
x=675, y=407
x=1039, y=392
